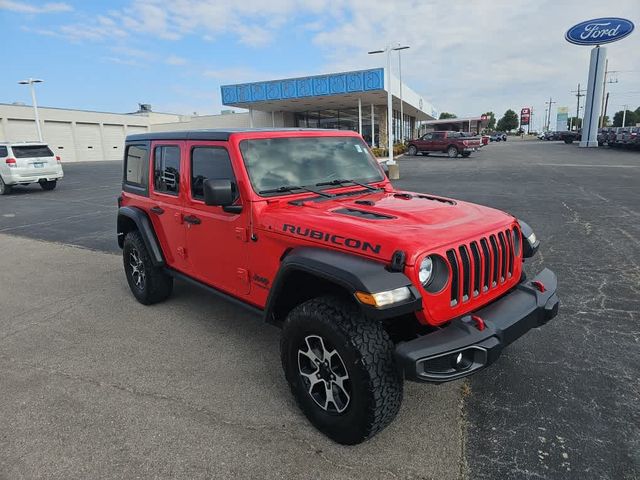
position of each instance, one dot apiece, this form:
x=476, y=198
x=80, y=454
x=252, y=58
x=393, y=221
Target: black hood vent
x=352, y=212
x=408, y=196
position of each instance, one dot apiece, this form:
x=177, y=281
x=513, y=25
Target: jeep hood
x=377, y=224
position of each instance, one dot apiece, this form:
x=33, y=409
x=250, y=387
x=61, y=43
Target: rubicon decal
x=353, y=243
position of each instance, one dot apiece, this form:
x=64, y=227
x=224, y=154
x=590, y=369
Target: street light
x=398, y=49
x=388, y=49
x=30, y=82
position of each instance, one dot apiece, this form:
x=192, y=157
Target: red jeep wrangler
x=370, y=285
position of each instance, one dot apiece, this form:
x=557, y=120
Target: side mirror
x=219, y=193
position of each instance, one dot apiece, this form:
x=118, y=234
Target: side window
x=166, y=170
x=427, y=136
x=135, y=169
x=438, y=135
x=4, y=152
x=209, y=163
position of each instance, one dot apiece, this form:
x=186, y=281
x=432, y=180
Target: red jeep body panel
x=240, y=253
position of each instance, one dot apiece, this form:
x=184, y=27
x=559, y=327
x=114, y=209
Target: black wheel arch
x=308, y=272
x=133, y=218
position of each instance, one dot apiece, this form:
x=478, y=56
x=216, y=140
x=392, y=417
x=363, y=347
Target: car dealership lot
x=95, y=384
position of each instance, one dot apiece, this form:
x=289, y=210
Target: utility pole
x=604, y=114
x=604, y=89
x=544, y=120
x=624, y=115
x=579, y=95
x=550, y=102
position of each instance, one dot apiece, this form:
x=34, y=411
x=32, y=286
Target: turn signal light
x=11, y=162
x=382, y=299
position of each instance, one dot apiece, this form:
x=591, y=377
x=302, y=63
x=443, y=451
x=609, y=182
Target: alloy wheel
x=137, y=269
x=324, y=374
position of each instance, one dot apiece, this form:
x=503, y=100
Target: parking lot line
x=583, y=165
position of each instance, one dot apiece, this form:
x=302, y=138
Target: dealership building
x=355, y=100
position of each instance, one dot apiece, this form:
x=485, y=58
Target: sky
x=465, y=57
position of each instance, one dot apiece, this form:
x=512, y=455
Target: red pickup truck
x=451, y=143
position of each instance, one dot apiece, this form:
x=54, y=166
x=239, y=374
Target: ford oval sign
x=599, y=31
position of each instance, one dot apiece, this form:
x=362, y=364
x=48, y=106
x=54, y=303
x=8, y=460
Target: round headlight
x=426, y=271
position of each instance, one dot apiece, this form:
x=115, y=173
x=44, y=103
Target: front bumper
x=462, y=348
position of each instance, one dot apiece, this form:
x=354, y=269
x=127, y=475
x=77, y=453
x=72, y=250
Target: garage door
x=22, y=131
x=113, y=140
x=60, y=139
x=131, y=130
x=88, y=144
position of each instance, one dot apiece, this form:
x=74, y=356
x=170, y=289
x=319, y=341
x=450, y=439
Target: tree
x=630, y=119
x=575, y=122
x=445, y=115
x=492, y=120
x=508, y=122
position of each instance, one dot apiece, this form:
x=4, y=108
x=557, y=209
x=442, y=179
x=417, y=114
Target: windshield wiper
x=341, y=181
x=290, y=188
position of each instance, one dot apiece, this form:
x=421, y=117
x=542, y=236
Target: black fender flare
x=144, y=226
x=350, y=272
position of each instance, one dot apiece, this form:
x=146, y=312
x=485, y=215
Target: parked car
x=23, y=163
x=449, y=142
x=568, y=137
x=542, y=136
x=485, y=139
x=603, y=136
x=262, y=219
x=612, y=136
x=621, y=136
x=634, y=138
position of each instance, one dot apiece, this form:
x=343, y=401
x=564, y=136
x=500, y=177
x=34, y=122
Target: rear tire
x=4, y=188
x=452, y=152
x=148, y=283
x=48, y=184
x=341, y=369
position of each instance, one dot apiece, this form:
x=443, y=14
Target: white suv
x=22, y=163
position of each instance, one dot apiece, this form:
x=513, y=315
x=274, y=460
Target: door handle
x=157, y=210
x=190, y=219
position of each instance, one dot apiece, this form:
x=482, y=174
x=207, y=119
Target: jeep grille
x=482, y=265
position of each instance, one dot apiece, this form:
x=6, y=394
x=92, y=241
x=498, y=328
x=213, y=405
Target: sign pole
x=594, y=97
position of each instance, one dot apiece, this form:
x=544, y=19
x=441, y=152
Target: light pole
x=388, y=49
x=624, y=114
x=398, y=49
x=30, y=82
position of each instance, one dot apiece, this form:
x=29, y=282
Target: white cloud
x=175, y=60
x=23, y=7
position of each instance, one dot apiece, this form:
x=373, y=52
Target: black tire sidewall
x=356, y=423
x=450, y=149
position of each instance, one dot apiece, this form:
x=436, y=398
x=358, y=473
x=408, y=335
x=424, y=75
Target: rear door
x=166, y=194
x=38, y=158
x=216, y=239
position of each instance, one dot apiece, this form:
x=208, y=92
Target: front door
x=166, y=193
x=216, y=239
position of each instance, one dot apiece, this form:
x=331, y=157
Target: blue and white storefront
x=348, y=101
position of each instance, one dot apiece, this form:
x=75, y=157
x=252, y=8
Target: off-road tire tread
x=159, y=285
x=374, y=347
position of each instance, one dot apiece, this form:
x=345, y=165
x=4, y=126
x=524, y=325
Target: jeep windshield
x=276, y=164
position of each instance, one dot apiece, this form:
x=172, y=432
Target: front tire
x=149, y=284
x=4, y=188
x=412, y=151
x=452, y=152
x=48, y=184
x=341, y=369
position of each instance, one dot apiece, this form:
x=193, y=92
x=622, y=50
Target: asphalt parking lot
x=95, y=385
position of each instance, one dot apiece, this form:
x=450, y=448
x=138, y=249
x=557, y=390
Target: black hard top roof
x=210, y=134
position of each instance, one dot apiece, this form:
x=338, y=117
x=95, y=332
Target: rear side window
x=135, y=168
x=4, y=152
x=209, y=163
x=31, y=151
x=438, y=135
x=166, y=169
